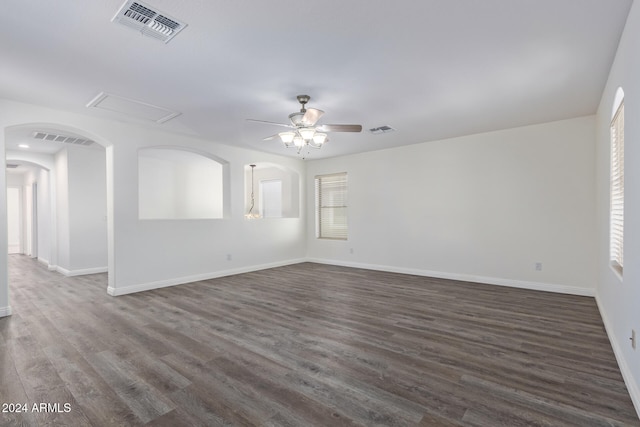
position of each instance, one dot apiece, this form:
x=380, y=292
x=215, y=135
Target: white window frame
x=616, y=208
x=331, y=206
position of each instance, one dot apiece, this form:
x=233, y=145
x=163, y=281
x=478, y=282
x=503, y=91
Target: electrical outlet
x=633, y=339
x=228, y=257
x=351, y=250
x=538, y=266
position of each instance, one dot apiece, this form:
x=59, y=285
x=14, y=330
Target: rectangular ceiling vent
x=62, y=138
x=381, y=129
x=148, y=21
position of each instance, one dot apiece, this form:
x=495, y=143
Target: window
x=331, y=206
x=616, y=218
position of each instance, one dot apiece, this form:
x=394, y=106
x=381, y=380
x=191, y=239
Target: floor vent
x=62, y=138
x=148, y=21
x=381, y=129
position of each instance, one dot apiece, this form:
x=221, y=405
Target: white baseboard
x=81, y=272
x=536, y=286
x=117, y=291
x=547, y=287
x=46, y=262
x=632, y=386
x=5, y=311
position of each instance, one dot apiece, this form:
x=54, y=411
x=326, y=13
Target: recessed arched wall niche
x=179, y=183
x=276, y=191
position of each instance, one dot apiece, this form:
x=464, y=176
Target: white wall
x=14, y=222
x=484, y=207
x=5, y=308
x=63, y=226
x=178, y=184
x=44, y=216
x=87, y=214
x=619, y=299
x=27, y=214
x=81, y=210
x=270, y=198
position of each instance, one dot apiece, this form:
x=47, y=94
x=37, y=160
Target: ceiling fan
x=304, y=129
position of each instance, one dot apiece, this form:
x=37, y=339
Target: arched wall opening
x=68, y=190
x=181, y=183
x=275, y=189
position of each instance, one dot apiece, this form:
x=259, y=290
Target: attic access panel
x=132, y=108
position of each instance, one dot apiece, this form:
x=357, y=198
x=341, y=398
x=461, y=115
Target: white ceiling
x=432, y=69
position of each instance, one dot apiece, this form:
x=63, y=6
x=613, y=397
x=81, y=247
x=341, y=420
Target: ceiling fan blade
x=340, y=128
x=269, y=138
x=311, y=116
x=270, y=123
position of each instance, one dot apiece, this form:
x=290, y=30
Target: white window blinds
x=617, y=189
x=331, y=206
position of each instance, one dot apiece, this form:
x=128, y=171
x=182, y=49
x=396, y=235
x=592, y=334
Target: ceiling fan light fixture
x=319, y=138
x=287, y=137
x=296, y=118
x=307, y=133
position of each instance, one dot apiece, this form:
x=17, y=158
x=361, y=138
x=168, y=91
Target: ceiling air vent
x=148, y=21
x=62, y=138
x=381, y=129
x=11, y=166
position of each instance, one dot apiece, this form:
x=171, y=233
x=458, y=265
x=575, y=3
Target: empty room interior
x=412, y=213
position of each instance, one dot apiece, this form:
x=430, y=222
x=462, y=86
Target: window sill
x=617, y=270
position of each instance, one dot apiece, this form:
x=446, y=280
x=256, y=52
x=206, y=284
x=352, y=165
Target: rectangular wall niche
x=178, y=184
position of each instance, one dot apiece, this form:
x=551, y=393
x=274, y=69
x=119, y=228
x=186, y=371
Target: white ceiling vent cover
x=46, y=136
x=148, y=21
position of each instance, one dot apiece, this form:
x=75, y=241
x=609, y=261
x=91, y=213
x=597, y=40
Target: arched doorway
x=29, y=208
x=64, y=195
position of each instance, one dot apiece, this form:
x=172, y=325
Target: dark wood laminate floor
x=305, y=345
